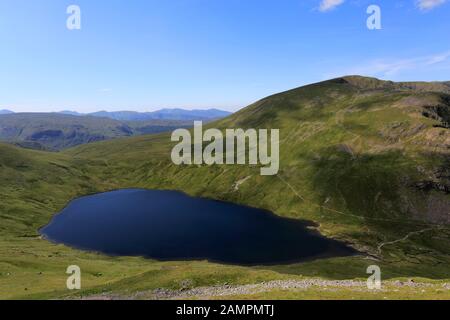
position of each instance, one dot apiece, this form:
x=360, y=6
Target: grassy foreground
x=354, y=153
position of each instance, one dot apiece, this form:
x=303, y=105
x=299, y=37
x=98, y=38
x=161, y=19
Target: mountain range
x=163, y=114
x=57, y=131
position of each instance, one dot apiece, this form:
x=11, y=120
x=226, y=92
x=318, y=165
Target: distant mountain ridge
x=60, y=130
x=163, y=114
x=70, y=113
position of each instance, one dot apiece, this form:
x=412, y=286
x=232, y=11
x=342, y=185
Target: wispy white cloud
x=437, y=58
x=429, y=4
x=105, y=90
x=388, y=68
x=327, y=5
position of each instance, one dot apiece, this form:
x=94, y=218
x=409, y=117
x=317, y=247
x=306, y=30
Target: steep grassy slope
x=365, y=159
x=54, y=131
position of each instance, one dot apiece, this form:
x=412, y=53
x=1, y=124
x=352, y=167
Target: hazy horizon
x=155, y=109
x=118, y=110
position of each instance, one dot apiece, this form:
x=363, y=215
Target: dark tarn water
x=170, y=225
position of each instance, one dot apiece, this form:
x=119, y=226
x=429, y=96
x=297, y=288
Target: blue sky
x=148, y=54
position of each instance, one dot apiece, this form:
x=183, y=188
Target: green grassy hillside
x=367, y=160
